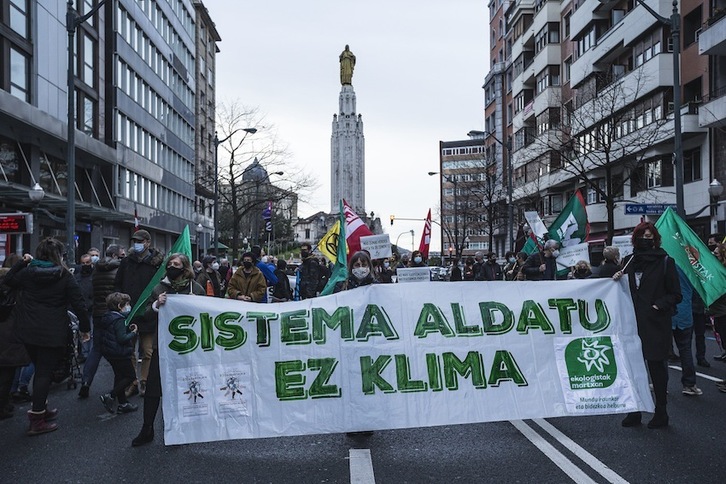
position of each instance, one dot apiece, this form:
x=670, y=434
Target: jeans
x=683, y=339
x=22, y=378
x=94, y=358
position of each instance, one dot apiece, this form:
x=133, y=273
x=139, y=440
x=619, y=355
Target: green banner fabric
x=340, y=271
x=183, y=244
x=701, y=267
x=571, y=226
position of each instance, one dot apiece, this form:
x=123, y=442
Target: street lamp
x=399, y=237
x=510, y=180
x=674, y=23
x=73, y=21
x=452, y=180
x=715, y=190
x=217, y=142
x=200, y=249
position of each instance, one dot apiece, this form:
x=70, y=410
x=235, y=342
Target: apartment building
x=135, y=86
x=588, y=105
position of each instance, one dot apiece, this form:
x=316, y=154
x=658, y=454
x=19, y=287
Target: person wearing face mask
x=248, y=283
x=84, y=278
x=133, y=275
x=208, y=278
x=197, y=267
x=95, y=255
x=282, y=291
x=117, y=346
x=359, y=272
x=581, y=270
x=309, y=275
x=656, y=292
x=417, y=259
x=541, y=266
x=385, y=273
x=104, y=275
x=491, y=269
x=509, y=267
x=178, y=279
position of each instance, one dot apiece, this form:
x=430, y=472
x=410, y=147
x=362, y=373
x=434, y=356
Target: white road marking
x=584, y=455
x=361, y=466
x=567, y=466
x=702, y=375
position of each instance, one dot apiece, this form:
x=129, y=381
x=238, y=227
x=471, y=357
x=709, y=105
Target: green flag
x=184, y=245
x=700, y=266
x=571, y=226
x=340, y=270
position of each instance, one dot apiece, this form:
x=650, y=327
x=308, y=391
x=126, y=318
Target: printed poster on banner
x=378, y=246
x=388, y=356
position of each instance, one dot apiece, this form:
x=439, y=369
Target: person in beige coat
x=247, y=283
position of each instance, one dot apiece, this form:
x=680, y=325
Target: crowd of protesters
x=100, y=291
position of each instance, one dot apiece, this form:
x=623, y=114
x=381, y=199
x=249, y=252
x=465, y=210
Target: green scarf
x=180, y=285
x=41, y=263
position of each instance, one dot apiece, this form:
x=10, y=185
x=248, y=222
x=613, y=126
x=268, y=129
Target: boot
x=38, y=425
x=660, y=419
x=50, y=413
x=631, y=420
x=145, y=436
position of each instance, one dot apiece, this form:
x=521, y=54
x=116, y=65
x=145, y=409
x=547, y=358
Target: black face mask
x=643, y=243
x=174, y=272
x=304, y=254
x=712, y=247
x=582, y=271
x=247, y=264
x=86, y=269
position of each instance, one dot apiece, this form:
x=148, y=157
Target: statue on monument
x=347, y=64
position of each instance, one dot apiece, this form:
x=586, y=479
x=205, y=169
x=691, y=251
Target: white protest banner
x=378, y=246
x=413, y=274
x=570, y=255
x=388, y=356
x=536, y=225
x=624, y=244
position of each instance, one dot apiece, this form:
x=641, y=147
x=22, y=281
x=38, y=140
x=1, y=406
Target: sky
x=420, y=67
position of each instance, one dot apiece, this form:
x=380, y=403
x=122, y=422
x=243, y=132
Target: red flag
x=423, y=247
x=354, y=229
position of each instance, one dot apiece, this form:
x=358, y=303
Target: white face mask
x=417, y=260
x=361, y=272
x=139, y=247
x=126, y=309
x=94, y=259
x=555, y=253
x=215, y=266
x=386, y=265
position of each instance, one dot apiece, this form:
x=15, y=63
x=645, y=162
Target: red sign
x=15, y=223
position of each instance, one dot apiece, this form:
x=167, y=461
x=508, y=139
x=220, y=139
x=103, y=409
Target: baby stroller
x=69, y=370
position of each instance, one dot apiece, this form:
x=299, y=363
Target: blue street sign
x=647, y=208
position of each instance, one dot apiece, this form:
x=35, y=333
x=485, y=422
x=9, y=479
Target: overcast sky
x=420, y=65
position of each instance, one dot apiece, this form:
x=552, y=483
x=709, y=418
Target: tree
x=603, y=136
x=249, y=153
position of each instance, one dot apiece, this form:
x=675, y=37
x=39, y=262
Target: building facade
x=135, y=86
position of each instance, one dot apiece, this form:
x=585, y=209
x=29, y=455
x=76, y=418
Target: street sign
x=15, y=223
x=647, y=208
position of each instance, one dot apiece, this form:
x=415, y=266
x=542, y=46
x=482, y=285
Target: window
x=692, y=26
x=692, y=165
x=19, y=75
x=19, y=17
x=659, y=173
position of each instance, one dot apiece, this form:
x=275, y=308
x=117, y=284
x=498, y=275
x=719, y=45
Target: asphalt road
x=94, y=446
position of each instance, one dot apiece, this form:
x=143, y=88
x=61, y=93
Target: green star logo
x=591, y=363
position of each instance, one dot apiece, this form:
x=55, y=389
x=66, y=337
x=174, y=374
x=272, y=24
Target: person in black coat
x=134, y=274
x=47, y=288
x=310, y=276
x=610, y=263
x=104, y=276
x=12, y=351
x=656, y=292
x=542, y=266
x=117, y=342
x=282, y=291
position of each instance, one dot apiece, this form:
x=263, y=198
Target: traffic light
x=393, y=217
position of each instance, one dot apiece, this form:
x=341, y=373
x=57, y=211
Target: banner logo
x=591, y=363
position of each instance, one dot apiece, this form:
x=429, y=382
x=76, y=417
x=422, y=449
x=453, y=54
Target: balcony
x=712, y=41
x=712, y=112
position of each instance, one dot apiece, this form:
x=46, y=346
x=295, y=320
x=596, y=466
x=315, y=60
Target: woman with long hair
x=179, y=279
x=656, y=292
x=46, y=288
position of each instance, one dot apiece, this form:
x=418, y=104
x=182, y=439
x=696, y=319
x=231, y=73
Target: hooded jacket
x=104, y=276
x=132, y=277
x=41, y=311
x=116, y=339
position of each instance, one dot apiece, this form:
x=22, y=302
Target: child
x=117, y=346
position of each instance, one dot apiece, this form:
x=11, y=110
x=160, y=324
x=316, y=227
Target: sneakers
x=721, y=385
x=721, y=357
x=127, y=408
x=692, y=390
x=107, y=401
x=83, y=392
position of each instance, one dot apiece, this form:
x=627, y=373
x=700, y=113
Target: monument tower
x=347, y=146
